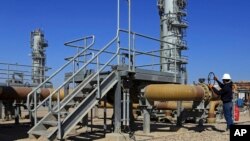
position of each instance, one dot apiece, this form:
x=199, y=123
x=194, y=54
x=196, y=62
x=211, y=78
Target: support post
x=117, y=106
x=105, y=115
x=146, y=118
x=179, y=115
x=17, y=112
x=1, y=110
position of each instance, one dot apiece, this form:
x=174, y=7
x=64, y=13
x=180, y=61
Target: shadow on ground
x=11, y=131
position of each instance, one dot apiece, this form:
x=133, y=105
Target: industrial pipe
x=177, y=92
x=211, y=113
x=108, y=105
x=20, y=93
x=172, y=105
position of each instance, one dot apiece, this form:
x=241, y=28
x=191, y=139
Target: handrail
x=76, y=40
x=159, y=50
x=91, y=49
x=56, y=72
x=155, y=53
x=11, y=64
x=148, y=37
x=54, y=92
x=73, y=95
x=92, y=59
x=149, y=54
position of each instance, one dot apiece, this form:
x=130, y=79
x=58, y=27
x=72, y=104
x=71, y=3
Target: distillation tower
x=38, y=45
x=172, y=28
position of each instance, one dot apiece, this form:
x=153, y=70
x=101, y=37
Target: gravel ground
x=192, y=132
x=159, y=131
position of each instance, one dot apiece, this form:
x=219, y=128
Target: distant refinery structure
x=38, y=45
x=118, y=75
x=172, y=30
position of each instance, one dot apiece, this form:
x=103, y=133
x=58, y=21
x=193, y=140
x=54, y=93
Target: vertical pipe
x=175, y=64
x=98, y=77
x=91, y=120
x=59, y=134
x=118, y=32
x=35, y=104
x=133, y=48
x=59, y=116
x=73, y=74
x=84, y=55
x=129, y=35
x=128, y=103
x=8, y=74
x=124, y=108
x=78, y=58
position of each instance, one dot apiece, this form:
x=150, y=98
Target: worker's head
x=226, y=78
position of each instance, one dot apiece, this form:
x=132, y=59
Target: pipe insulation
x=176, y=92
x=20, y=93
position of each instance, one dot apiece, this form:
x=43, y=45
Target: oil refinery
x=120, y=91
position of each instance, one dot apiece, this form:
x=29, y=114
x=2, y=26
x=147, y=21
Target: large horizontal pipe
x=174, y=92
x=172, y=105
x=20, y=93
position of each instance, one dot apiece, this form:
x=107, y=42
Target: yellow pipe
x=174, y=92
x=172, y=105
x=211, y=113
x=20, y=93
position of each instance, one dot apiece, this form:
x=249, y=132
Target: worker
x=226, y=94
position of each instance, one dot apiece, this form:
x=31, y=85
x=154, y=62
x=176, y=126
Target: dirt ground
x=9, y=131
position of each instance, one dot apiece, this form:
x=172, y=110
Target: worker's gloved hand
x=215, y=78
x=210, y=86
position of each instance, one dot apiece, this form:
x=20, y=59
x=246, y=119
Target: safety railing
x=35, y=91
x=150, y=58
x=99, y=68
x=17, y=74
x=99, y=60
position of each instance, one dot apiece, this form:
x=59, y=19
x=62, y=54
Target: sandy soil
x=159, y=131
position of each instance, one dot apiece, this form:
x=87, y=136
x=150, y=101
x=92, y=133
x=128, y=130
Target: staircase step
x=62, y=113
x=51, y=123
x=41, y=132
x=71, y=104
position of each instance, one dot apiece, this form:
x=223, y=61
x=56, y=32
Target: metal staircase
x=59, y=120
x=53, y=124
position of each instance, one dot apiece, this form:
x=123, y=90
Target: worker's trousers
x=228, y=109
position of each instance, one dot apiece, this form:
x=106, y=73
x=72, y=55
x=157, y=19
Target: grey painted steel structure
x=96, y=88
x=38, y=45
x=172, y=31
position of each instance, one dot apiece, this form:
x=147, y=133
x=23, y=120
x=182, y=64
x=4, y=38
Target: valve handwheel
x=210, y=78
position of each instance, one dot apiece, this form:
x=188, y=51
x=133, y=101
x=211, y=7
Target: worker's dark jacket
x=226, y=91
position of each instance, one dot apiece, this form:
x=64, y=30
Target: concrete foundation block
x=117, y=137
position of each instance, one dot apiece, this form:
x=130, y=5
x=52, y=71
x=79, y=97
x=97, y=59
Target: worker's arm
x=219, y=83
x=221, y=91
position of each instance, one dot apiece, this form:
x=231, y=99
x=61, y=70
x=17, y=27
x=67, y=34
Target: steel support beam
x=117, y=107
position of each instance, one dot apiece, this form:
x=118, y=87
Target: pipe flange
x=207, y=93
